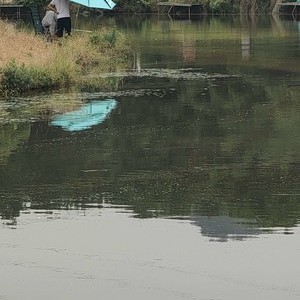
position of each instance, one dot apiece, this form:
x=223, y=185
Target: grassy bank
x=28, y=63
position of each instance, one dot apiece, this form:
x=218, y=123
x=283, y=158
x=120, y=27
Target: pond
x=180, y=183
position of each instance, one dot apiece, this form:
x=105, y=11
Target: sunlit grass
x=20, y=46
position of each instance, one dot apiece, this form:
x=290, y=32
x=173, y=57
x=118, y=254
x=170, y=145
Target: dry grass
x=21, y=46
x=31, y=50
x=27, y=62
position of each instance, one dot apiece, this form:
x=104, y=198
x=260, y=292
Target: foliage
x=136, y=6
x=108, y=38
x=34, y=2
x=239, y=6
x=213, y=6
x=220, y=6
x=112, y=42
x=17, y=79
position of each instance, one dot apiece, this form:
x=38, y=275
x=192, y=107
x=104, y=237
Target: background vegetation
x=211, y=6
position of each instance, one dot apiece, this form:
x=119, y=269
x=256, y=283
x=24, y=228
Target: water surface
x=186, y=188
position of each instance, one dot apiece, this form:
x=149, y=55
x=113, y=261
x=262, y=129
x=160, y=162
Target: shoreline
x=36, y=65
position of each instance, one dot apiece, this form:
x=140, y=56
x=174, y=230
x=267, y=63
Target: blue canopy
x=104, y=4
x=90, y=114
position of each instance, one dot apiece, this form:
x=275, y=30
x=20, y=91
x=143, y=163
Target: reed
x=33, y=64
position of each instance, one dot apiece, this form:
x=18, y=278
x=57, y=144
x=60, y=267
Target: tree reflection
x=214, y=150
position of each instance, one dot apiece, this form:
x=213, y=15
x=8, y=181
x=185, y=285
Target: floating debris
x=185, y=74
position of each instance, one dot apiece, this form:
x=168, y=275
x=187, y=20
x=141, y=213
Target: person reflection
x=137, y=62
x=225, y=228
x=246, y=46
x=188, y=51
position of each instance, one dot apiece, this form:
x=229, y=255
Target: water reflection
x=246, y=46
x=198, y=133
x=202, y=146
x=90, y=114
x=11, y=136
x=223, y=228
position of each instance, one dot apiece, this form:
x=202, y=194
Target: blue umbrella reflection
x=90, y=114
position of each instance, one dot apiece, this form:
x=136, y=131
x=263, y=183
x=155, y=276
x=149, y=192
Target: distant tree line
x=211, y=6
x=240, y=6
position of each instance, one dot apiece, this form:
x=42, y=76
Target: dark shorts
x=63, y=24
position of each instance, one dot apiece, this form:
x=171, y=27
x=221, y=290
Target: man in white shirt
x=62, y=9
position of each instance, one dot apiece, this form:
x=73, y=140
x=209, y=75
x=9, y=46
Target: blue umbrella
x=104, y=4
x=90, y=114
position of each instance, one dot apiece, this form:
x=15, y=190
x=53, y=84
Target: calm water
x=182, y=182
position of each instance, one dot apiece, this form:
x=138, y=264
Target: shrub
x=110, y=37
x=95, y=38
x=17, y=79
x=104, y=37
x=221, y=6
x=136, y=6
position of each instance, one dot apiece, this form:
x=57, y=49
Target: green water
x=202, y=147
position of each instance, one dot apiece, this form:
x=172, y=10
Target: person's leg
x=52, y=30
x=60, y=27
x=47, y=34
x=46, y=29
x=68, y=25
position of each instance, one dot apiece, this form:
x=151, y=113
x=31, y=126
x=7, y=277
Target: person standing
x=62, y=9
x=49, y=24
